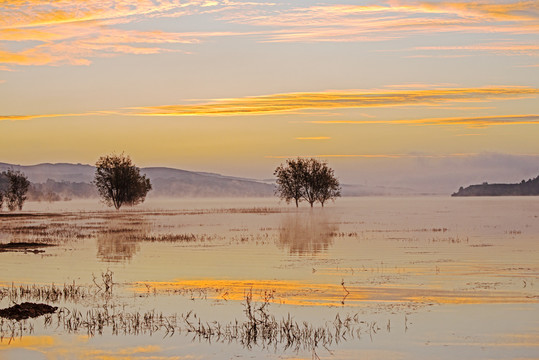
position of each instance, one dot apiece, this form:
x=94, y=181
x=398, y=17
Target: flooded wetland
x=370, y=278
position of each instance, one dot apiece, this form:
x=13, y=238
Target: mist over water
x=416, y=277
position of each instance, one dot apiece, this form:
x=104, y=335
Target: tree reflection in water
x=306, y=233
x=119, y=240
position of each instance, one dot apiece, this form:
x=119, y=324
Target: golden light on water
x=307, y=294
x=398, y=97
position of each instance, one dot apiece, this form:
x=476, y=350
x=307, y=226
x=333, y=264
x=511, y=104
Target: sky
x=387, y=92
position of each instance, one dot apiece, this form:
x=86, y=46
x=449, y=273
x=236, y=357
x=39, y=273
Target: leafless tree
x=290, y=180
x=306, y=179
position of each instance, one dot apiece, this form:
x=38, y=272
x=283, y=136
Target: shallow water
x=421, y=277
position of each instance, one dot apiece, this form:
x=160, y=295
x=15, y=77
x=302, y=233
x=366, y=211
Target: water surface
x=418, y=277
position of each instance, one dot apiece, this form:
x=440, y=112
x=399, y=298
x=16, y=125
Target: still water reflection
x=436, y=275
x=307, y=233
x=119, y=241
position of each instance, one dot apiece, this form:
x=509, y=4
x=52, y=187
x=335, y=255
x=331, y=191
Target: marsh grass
x=171, y=237
x=48, y=293
x=449, y=240
x=74, y=293
x=13, y=329
x=52, y=232
x=258, y=328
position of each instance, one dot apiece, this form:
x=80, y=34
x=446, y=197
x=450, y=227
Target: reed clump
x=47, y=293
x=72, y=292
x=258, y=328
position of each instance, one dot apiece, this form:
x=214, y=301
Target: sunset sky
x=378, y=89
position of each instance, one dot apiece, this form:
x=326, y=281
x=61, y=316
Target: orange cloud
x=69, y=32
x=40, y=116
x=74, y=32
x=298, y=103
x=293, y=102
x=474, y=122
x=393, y=20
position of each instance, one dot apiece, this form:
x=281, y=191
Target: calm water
x=422, y=278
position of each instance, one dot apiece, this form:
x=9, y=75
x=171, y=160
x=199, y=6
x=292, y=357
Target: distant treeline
x=60, y=191
x=524, y=188
x=201, y=186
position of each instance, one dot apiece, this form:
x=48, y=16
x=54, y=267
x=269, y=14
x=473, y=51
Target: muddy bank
x=33, y=247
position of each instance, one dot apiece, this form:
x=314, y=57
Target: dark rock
x=27, y=310
x=24, y=247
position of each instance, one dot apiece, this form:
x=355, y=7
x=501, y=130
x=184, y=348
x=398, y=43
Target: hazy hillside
x=61, y=181
x=40, y=173
x=71, y=181
x=182, y=183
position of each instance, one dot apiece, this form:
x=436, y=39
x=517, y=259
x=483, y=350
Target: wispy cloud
x=41, y=116
x=293, y=102
x=377, y=156
x=305, y=103
x=313, y=138
x=472, y=122
x=393, y=20
x=75, y=32
x=501, y=48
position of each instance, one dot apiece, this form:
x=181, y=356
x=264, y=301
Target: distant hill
x=182, y=183
x=58, y=172
x=524, y=188
x=63, y=181
x=66, y=181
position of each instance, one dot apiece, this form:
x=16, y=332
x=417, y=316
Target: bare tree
x=4, y=184
x=308, y=179
x=290, y=180
x=119, y=182
x=325, y=183
x=13, y=188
